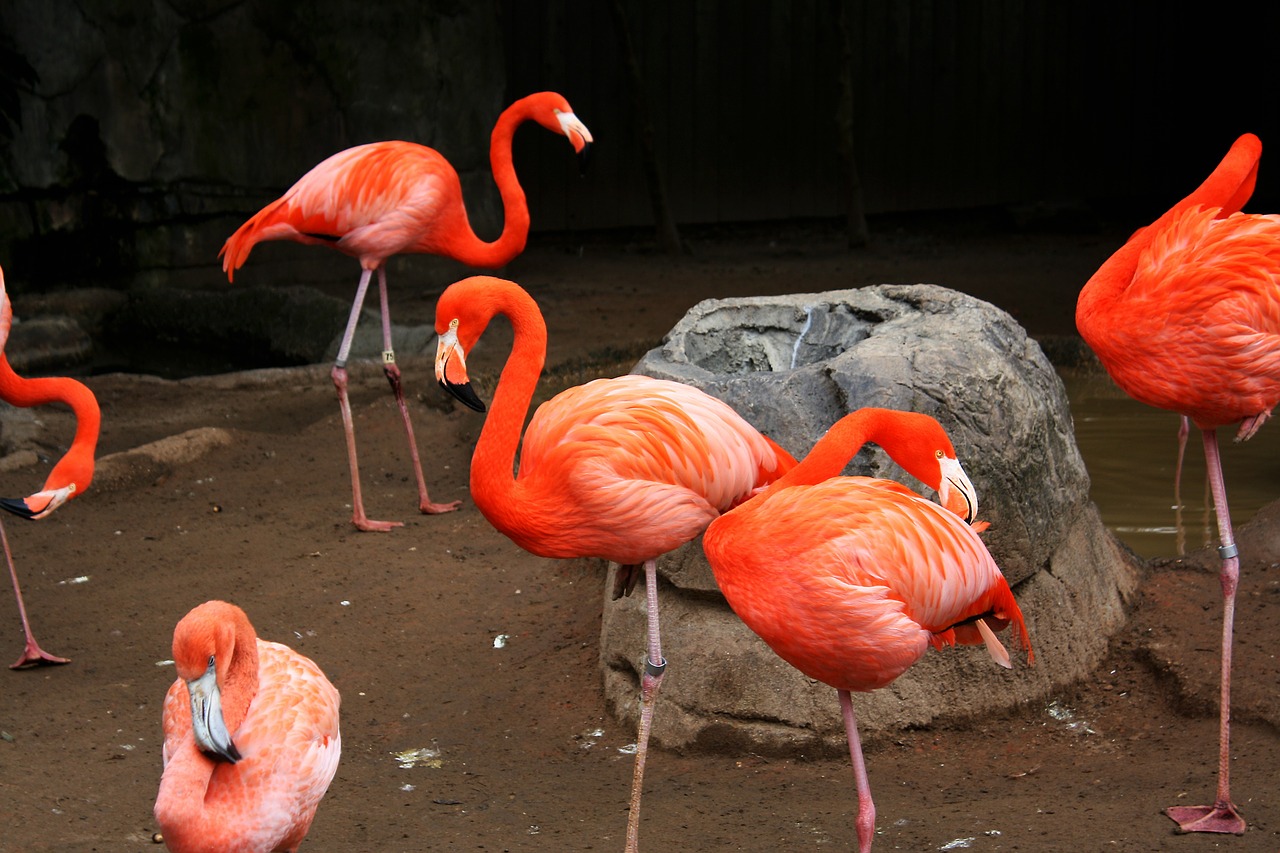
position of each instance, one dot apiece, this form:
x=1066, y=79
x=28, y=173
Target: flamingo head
x=462, y=315
x=68, y=479
x=921, y=446
x=553, y=112
x=204, y=645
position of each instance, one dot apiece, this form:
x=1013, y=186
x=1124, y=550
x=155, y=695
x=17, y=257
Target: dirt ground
x=519, y=752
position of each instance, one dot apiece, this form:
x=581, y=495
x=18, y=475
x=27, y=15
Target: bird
x=1185, y=316
x=382, y=199
x=622, y=469
x=251, y=738
x=70, y=476
x=852, y=579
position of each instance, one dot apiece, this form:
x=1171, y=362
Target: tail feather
x=263, y=225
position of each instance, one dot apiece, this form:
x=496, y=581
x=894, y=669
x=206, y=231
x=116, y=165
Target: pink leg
x=32, y=654
x=866, y=808
x=339, y=374
x=1222, y=816
x=392, y=372
x=1184, y=429
x=649, y=684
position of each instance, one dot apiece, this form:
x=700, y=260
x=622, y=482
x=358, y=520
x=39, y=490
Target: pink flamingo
x=1184, y=317
x=388, y=198
x=622, y=469
x=852, y=579
x=70, y=476
x=251, y=739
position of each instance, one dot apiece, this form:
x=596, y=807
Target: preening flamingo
x=69, y=477
x=1186, y=317
x=623, y=469
x=852, y=579
x=251, y=739
x=388, y=198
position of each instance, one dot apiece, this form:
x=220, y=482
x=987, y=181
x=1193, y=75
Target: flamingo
x=69, y=477
x=251, y=738
x=623, y=469
x=387, y=198
x=1186, y=317
x=852, y=579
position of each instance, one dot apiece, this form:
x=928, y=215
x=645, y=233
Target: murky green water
x=1131, y=450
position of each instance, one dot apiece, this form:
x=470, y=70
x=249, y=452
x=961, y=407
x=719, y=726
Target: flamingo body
x=71, y=475
x=387, y=198
x=627, y=469
x=1197, y=330
x=280, y=715
x=623, y=469
x=1186, y=317
x=852, y=579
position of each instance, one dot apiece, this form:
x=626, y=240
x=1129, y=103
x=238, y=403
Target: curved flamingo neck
x=190, y=817
x=77, y=465
x=493, y=481
x=466, y=246
x=1228, y=187
x=238, y=685
x=890, y=429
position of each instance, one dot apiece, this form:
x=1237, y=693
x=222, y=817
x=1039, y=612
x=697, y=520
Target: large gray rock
x=793, y=365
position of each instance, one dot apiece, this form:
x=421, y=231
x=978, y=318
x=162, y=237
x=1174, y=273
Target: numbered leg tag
x=388, y=357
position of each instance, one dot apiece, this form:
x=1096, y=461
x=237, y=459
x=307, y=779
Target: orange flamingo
x=69, y=477
x=251, y=738
x=852, y=579
x=1186, y=317
x=387, y=198
x=623, y=469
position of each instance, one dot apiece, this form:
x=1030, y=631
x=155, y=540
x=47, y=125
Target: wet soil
x=445, y=638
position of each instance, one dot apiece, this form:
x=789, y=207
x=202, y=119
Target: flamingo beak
x=956, y=492
x=40, y=504
x=207, y=724
x=579, y=137
x=451, y=369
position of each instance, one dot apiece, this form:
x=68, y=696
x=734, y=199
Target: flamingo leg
x=866, y=807
x=339, y=374
x=392, y=372
x=1184, y=429
x=32, y=654
x=1222, y=816
x=649, y=684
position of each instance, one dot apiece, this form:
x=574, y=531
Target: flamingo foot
x=1219, y=817
x=368, y=525
x=33, y=656
x=432, y=508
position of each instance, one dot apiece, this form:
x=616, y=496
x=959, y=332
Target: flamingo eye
x=211, y=661
x=453, y=325
x=939, y=454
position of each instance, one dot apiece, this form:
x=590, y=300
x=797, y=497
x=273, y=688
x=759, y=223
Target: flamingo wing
x=851, y=581
x=371, y=201
x=1204, y=300
x=642, y=464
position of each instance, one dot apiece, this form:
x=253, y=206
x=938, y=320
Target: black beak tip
x=17, y=506
x=584, y=158
x=464, y=394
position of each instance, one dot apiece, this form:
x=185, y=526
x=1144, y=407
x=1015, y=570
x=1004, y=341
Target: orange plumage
x=387, y=198
x=852, y=579
x=71, y=475
x=623, y=469
x=1186, y=317
x=248, y=775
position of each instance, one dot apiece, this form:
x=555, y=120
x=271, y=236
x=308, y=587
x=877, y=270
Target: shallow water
x=1131, y=453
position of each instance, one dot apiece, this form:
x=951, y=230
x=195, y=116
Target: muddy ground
x=525, y=756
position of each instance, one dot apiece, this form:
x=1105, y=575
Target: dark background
x=136, y=136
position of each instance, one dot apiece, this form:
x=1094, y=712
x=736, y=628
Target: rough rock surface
x=792, y=365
